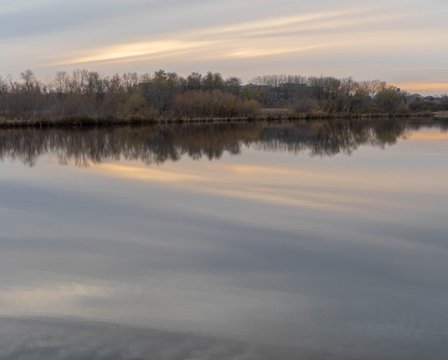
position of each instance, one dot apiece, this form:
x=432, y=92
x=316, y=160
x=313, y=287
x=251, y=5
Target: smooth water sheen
x=254, y=241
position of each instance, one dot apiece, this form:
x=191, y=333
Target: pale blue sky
x=403, y=42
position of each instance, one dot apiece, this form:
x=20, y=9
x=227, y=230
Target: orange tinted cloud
x=436, y=87
x=139, y=49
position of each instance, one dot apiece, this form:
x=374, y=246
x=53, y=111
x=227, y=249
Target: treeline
x=86, y=94
x=329, y=95
x=166, y=95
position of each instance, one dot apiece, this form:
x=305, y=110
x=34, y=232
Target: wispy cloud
x=132, y=50
x=257, y=38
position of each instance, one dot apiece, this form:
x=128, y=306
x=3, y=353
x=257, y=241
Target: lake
x=274, y=240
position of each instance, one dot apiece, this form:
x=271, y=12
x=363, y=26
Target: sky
x=400, y=41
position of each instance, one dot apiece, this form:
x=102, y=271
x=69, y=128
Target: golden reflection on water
x=147, y=173
x=305, y=189
x=428, y=135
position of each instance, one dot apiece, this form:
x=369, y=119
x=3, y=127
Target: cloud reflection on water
x=246, y=253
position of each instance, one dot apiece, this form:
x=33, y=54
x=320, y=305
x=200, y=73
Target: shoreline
x=441, y=115
x=78, y=122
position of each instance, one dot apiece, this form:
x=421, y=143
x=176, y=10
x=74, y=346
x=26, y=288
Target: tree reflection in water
x=157, y=144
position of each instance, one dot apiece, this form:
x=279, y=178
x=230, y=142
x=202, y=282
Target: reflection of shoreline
x=441, y=115
x=269, y=115
x=157, y=144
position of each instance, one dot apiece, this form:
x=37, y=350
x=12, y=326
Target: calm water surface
x=265, y=241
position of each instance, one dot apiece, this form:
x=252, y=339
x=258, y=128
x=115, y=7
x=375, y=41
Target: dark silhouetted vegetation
x=85, y=95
